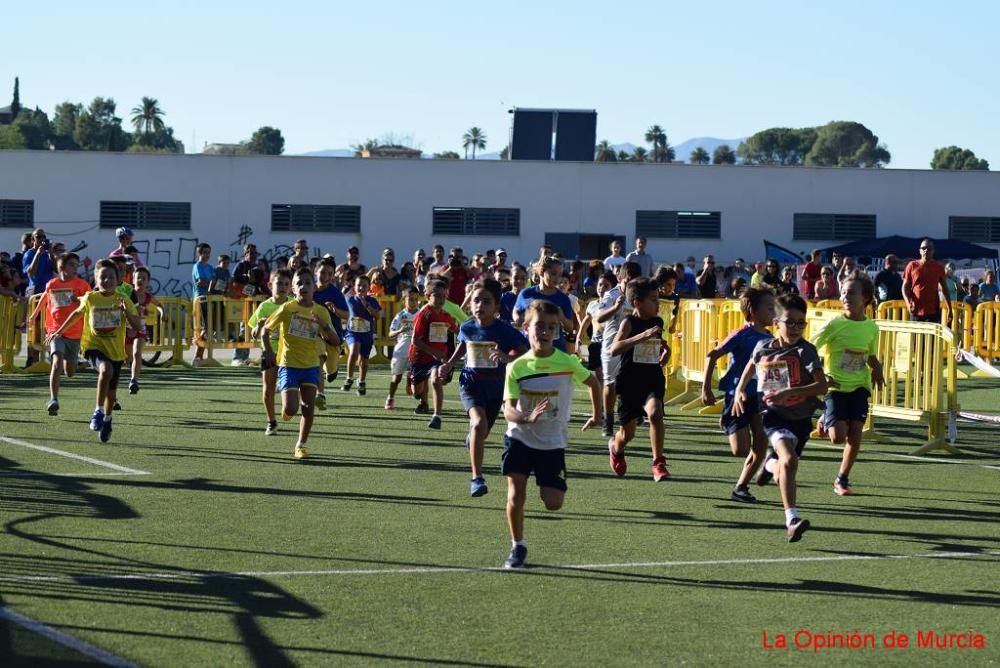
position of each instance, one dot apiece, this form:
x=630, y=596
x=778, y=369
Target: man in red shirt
x=921, y=280
x=811, y=273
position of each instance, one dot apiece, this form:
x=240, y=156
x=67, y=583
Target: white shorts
x=610, y=367
x=399, y=364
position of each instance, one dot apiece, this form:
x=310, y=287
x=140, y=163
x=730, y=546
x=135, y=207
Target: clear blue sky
x=329, y=74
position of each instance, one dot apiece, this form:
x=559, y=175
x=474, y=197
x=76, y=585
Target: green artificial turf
x=259, y=559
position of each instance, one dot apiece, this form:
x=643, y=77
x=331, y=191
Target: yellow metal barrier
x=10, y=333
x=986, y=334
x=217, y=324
x=674, y=386
x=698, y=329
x=895, y=309
x=961, y=317
x=35, y=336
x=920, y=381
x=173, y=332
x=391, y=305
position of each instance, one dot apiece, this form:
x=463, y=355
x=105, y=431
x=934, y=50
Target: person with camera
x=457, y=274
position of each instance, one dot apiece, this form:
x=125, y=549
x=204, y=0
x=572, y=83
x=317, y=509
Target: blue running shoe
x=106, y=431
x=97, y=420
x=435, y=422
x=478, y=487
x=517, y=556
x=53, y=407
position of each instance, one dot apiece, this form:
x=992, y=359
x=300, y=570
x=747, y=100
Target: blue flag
x=781, y=254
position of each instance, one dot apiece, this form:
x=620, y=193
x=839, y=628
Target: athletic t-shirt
x=613, y=323
x=596, y=327
x=640, y=370
x=433, y=327
x=507, y=301
x=331, y=293
x=530, y=380
x=740, y=345
x=924, y=280
x=359, y=320
x=403, y=320
x=60, y=301
x=104, y=324
x=479, y=341
x=298, y=329
x=559, y=298
x=779, y=368
x=846, y=346
x=263, y=312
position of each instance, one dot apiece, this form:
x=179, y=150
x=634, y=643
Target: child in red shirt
x=429, y=349
x=60, y=300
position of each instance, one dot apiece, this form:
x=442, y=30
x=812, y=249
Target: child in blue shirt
x=488, y=343
x=329, y=295
x=548, y=290
x=746, y=431
x=202, y=274
x=362, y=309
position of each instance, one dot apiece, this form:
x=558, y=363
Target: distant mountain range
x=682, y=150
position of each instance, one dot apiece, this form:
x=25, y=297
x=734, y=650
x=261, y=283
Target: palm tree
x=475, y=138
x=640, y=155
x=605, y=152
x=623, y=156
x=368, y=145
x=700, y=156
x=662, y=150
x=147, y=118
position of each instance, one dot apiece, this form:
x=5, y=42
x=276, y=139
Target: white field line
x=121, y=470
x=435, y=570
x=72, y=643
x=81, y=474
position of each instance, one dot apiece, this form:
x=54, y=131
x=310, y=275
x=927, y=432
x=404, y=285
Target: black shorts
x=594, y=355
x=931, y=317
x=846, y=406
x=96, y=357
x=776, y=426
x=421, y=371
x=267, y=366
x=730, y=423
x=549, y=466
x=632, y=401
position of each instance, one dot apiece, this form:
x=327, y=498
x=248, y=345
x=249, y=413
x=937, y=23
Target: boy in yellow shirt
x=105, y=313
x=299, y=324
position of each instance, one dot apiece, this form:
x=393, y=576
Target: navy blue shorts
x=777, y=427
x=549, y=466
x=730, y=423
x=292, y=378
x=421, y=371
x=490, y=402
x=96, y=357
x=364, y=340
x=846, y=406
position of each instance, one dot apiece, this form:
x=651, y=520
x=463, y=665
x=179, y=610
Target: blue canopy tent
x=907, y=247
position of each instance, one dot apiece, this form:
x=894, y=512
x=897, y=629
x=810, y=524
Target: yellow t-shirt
x=846, y=346
x=298, y=329
x=104, y=324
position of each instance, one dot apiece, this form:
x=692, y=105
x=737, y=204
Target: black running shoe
x=518, y=554
x=743, y=495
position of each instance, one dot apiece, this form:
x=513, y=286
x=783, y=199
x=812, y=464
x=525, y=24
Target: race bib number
x=647, y=352
x=106, y=321
x=479, y=355
x=439, y=332
x=530, y=399
x=852, y=361
x=358, y=325
x=304, y=328
x=61, y=298
x=772, y=377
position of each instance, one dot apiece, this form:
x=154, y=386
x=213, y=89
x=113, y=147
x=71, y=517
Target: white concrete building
x=175, y=201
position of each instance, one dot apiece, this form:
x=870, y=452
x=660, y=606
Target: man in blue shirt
x=37, y=263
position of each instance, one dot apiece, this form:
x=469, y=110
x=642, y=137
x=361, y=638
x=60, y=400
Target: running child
x=789, y=378
x=610, y=313
x=746, y=432
x=362, y=309
x=59, y=301
x=850, y=347
x=329, y=295
x=641, y=382
x=538, y=396
x=488, y=344
x=551, y=271
x=104, y=313
x=281, y=285
x=135, y=340
x=401, y=329
x=605, y=282
x=429, y=349
x=298, y=324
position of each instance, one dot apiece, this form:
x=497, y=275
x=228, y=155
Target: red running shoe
x=659, y=468
x=618, y=464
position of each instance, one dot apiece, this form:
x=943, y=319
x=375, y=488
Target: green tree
x=366, y=145
x=147, y=119
x=63, y=125
x=953, y=157
x=35, y=128
x=447, y=155
x=266, y=141
x=475, y=138
x=777, y=146
x=639, y=155
x=846, y=144
x=12, y=137
x=723, y=155
x=624, y=156
x=662, y=150
x=15, y=105
x=700, y=156
x=505, y=153
x=98, y=129
x=605, y=152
